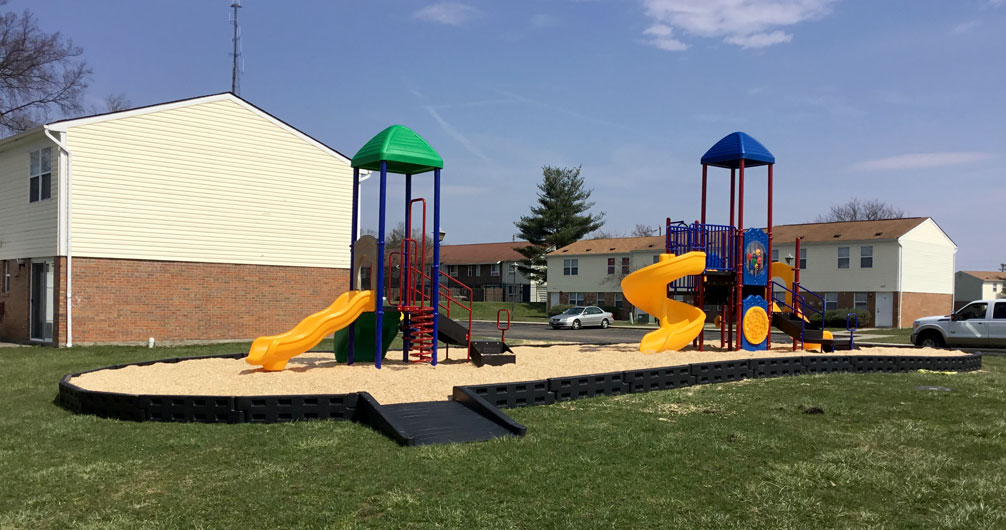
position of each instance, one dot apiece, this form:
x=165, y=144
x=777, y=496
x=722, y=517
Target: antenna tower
x=235, y=72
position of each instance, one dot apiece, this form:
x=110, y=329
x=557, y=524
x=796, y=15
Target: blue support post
x=379, y=295
x=352, y=258
x=435, y=272
x=407, y=279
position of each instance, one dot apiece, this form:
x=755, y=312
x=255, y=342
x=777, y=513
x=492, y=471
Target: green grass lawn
x=883, y=454
x=519, y=311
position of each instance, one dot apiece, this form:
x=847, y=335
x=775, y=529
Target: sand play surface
x=398, y=382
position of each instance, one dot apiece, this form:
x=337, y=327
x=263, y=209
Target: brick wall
x=917, y=305
x=130, y=300
x=14, y=324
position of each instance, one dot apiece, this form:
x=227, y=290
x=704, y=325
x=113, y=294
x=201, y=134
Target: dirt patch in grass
x=399, y=382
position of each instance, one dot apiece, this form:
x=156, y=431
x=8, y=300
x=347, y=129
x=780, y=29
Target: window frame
x=803, y=259
x=996, y=313
x=625, y=265
x=40, y=175
x=846, y=257
x=863, y=259
x=578, y=296
x=833, y=302
x=618, y=300
x=611, y=266
x=494, y=269
x=471, y=271
x=600, y=299
x=570, y=267
x=865, y=302
x=775, y=255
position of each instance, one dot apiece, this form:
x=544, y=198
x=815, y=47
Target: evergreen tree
x=559, y=218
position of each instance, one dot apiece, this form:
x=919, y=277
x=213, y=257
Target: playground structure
x=425, y=295
x=729, y=267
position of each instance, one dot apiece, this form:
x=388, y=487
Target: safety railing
x=719, y=242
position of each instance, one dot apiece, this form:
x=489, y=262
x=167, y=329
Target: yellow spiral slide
x=273, y=352
x=646, y=289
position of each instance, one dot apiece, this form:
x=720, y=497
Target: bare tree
x=39, y=73
x=642, y=230
x=117, y=102
x=856, y=209
x=604, y=234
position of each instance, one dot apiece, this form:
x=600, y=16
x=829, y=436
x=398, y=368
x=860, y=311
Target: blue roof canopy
x=735, y=147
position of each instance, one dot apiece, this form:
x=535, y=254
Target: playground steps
x=466, y=418
x=790, y=324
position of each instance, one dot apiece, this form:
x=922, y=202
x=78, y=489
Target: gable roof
x=480, y=253
x=987, y=276
x=846, y=231
x=63, y=125
x=617, y=245
x=884, y=229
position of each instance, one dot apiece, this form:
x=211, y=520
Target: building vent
x=878, y=234
x=836, y=236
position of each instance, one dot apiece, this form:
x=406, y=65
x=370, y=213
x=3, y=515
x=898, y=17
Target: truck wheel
x=930, y=339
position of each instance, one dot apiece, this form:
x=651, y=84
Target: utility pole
x=235, y=74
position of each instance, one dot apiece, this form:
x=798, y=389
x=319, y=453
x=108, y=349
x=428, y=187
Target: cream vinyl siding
x=593, y=271
x=209, y=182
x=928, y=256
x=823, y=275
x=27, y=229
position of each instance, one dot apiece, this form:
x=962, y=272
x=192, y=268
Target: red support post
x=733, y=180
x=740, y=254
x=768, y=286
x=796, y=291
x=704, y=173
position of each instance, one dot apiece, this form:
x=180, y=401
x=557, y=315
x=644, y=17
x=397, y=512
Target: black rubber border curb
x=487, y=399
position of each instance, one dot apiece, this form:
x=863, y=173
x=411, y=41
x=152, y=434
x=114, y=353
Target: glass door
x=41, y=301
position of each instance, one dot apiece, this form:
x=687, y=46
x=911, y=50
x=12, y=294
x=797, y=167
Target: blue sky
x=900, y=100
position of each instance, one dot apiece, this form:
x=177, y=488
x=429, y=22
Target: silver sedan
x=577, y=317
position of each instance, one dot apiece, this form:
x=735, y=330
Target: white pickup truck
x=981, y=323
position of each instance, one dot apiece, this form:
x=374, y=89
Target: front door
x=41, y=301
x=884, y=310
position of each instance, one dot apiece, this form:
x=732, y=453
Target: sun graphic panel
x=756, y=323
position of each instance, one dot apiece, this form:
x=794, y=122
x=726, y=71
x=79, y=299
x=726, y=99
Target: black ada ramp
x=467, y=418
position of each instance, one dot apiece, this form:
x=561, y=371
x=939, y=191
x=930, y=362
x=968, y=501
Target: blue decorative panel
x=755, y=323
x=756, y=258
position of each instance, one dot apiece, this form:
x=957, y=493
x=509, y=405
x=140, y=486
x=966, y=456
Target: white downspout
x=69, y=239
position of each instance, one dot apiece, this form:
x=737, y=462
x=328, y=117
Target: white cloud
x=966, y=27
x=542, y=21
x=745, y=23
x=923, y=161
x=450, y=13
x=660, y=36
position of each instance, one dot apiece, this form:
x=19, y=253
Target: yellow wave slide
x=646, y=289
x=274, y=351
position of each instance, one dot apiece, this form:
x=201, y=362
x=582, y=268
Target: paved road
x=612, y=335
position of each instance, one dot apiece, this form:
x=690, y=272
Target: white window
x=478, y=270
x=6, y=276
x=803, y=259
x=625, y=265
x=40, y=175
x=611, y=265
x=600, y=298
x=618, y=300
x=570, y=267
x=843, y=257
x=452, y=270
x=860, y=300
x=576, y=298
x=866, y=257
x=775, y=254
x=656, y=258
x=830, y=301
x=494, y=269
x=471, y=271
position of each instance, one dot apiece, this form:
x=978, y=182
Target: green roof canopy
x=403, y=150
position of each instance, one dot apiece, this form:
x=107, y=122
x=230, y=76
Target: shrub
x=835, y=318
x=559, y=308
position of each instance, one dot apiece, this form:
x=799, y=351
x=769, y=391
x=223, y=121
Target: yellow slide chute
x=646, y=289
x=274, y=351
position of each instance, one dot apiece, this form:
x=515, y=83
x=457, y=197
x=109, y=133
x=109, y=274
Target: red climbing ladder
x=415, y=299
